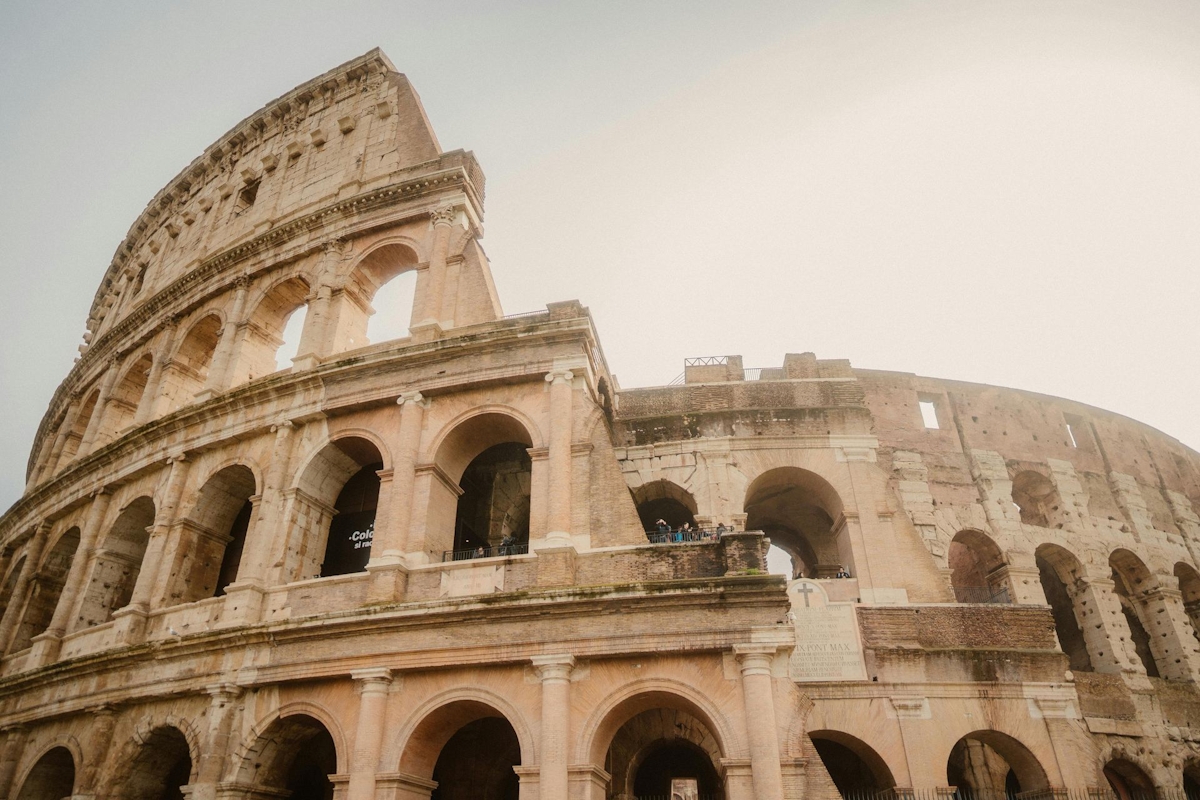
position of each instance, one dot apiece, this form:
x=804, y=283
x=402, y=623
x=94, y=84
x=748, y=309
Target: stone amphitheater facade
x=421, y=567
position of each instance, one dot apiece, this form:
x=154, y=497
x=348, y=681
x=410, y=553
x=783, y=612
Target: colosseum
x=467, y=563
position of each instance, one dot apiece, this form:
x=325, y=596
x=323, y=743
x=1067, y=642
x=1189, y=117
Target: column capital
x=554, y=667
x=223, y=692
x=412, y=399
x=281, y=424
x=103, y=710
x=555, y=376
x=755, y=658
x=444, y=215
x=373, y=679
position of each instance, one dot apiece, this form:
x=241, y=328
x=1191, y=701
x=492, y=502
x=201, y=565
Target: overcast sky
x=1005, y=193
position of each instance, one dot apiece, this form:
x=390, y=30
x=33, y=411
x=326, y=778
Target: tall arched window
x=379, y=297
x=1060, y=573
x=188, y=370
x=976, y=564
x=218, y=522
x=271, y=338
x=43, y=599
x=798, y=509
x=118, y=562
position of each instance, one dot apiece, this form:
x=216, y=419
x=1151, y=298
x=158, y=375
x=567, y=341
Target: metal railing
x=499, y=551
x=951, y=793
x=680, y=537
x=521, y=314
x=706, y=361
x=981, y=594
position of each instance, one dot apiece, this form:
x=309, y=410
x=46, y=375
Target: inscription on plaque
x=827, y=643
x=472, y=580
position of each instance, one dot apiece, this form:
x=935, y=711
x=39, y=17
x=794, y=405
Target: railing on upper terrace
x=499, y=551
x=965, y=793
x=681, y=536
x=981, y=594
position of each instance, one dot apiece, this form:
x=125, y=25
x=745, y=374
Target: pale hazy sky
x=1005, y=193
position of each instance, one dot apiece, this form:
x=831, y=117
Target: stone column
x=218, y=371
x=14, y=745
x=97, y=420
x=222, y=709
x=1098, y=612
x=131, y=620
x=373, y=686
x=555, y=674
x=99, y=741
x=559, y=507
x=47, y=644
x=391, y=535
x=442, y=219
x=1176, y=649
x=60, y=439
x=759, y=698
x=16, y=602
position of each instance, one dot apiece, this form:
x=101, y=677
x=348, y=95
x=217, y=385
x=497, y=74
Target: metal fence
x=681, y=537
x=950, y=793
x=499, y=551
x=981, y=594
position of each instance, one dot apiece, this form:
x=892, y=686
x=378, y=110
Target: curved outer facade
x=185, y=606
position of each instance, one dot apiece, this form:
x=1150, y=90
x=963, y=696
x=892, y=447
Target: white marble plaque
x=827, y=641
x=685, y=789
x=466, y=581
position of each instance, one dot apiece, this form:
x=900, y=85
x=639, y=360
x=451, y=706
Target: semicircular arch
x=451, y=451
x=242, y=765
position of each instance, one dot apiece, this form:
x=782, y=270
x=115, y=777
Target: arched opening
x=295, y=755
x=1058, y=569
x=188, y=370
x=384, y=284
x=79, y=427
x=986, y=764
x=1131, y=579
x=335, y=508
x=43, y=597
x=1189, y=587
x=1128, y=781
x=1034, y=496
x=469, y=748
x=666, y=501
x=493, y=509
x=160, y=768
x=1191, y=780
x=52, y=777
x=127, y=395
x=852, y=764
x=216, y=527
x=658, y=744
x=977, y=569
x=272, y=336
x=486, y=459
x=798, y=510
x=117, y=564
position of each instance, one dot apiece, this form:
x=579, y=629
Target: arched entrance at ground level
x=469, y=749
x=663, y=500
x=159, y=769
x=798, y=509
x=486, y=458
x=657, y=740
x=987, y=763
x=296, y=755
x=853, y=766
x=52, y=777
x=1059, y=572
x=335, y=507
x=217, y=524
x=1128, y=781
x=976, y=569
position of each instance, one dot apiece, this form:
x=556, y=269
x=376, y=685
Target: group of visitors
x=664, y=533
x=509, y=546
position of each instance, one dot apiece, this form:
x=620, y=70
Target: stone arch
x=185, y=375
x=1060, y=573
x=1132, y=584
x=78, y=423
x=265, y=325
x=127, y=395
x=215, y=527
x=666, y=500
x=802, y=514
x=597, y=731
x=51, y=776
x=383, y=264
x=437, y=743
x=448, y=439
x=117, y=563
x=296, y=748
x=1035, y=498
x=157, y=762
x=10, y=582
x=47, y=587
x=333, y=508
x=988, y=760
x=483, y=494
x=852, y=764
x=1188, y=579
x=1128, y=779
x=977, y=568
